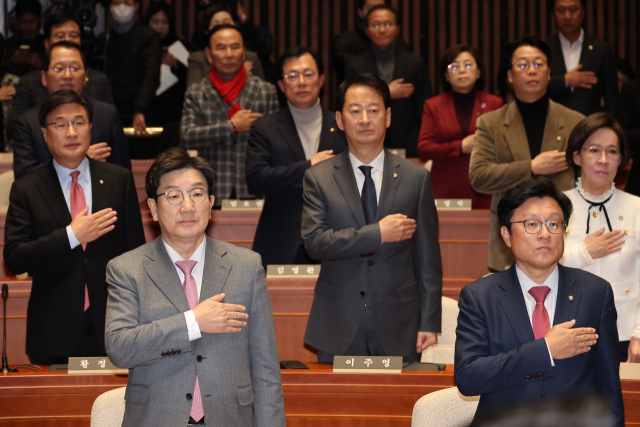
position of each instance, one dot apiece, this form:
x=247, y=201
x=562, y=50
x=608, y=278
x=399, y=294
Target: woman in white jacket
x=603, y=233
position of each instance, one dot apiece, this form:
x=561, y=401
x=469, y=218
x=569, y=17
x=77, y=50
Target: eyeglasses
x=74, y=69
x=596, y=152
x=380, y=25
x=176, y=197
x=534, y=226
x=62, y=125
x=524, y=64
x=457, y=66
x=293, y=76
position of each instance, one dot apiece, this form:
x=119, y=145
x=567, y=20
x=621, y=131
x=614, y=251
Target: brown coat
x=501, y=159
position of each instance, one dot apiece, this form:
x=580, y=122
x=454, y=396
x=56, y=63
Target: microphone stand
x=5, y=364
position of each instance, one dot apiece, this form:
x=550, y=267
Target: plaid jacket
x=205, y=127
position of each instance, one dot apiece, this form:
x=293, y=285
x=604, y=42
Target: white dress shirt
x=571, y=52
x=84, y=179
x=196, y=273
x=549, y=302
x=376, y=173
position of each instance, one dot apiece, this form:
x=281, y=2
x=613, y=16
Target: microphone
x=5, y=364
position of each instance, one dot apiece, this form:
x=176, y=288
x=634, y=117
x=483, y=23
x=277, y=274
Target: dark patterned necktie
x=368, y=197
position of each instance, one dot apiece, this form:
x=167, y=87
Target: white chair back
x=108, y=409
x=444, y=408
x=443, y=352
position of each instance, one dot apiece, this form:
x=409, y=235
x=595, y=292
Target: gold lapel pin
x=620, y=217
x=101, y=182
x=570, y=297
x=395, y=175
x=559, y=138
x=332, y=130
x=590, y=47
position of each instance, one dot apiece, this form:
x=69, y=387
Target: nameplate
x=242, y=205
x=131, y=133
x=289, y=271
x=453, y=204
x=630, y=371
x=93, y=365
x=368, y=364
x=398, y=152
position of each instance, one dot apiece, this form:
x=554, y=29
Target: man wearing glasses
x=282, y=146
x=538, y=331
x=30, y=92
x=65, y=221
x=404, y=72
x=524, y=138
x=64, y=67
x=190, y=316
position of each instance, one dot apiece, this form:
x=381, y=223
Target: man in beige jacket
x=524, y=138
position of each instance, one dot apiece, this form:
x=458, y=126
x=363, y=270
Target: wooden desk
x=316, y=397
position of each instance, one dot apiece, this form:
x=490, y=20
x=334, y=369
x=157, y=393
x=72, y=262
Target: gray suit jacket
x=146, y=332
x=501, y=159
x=404, y=279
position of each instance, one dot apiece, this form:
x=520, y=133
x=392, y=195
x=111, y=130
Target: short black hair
x=552, y=4
x=450, y=55
x=587, y=127
x=536, y=187
x=220, y=28
x=62, y=97
x=46, y=58
x=364, y=79
x=27, y=6
x=174, y=159
x=529, y=40
x=297, y=52
x=381, y=7
x=56, y=19
x=161, y=6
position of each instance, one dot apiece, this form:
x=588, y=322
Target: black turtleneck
x=534, y=116
x=464, y=103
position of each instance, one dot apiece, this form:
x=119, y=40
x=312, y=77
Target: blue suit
x=497, y=357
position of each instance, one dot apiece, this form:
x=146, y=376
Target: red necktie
x=191, y=291
x=540, y=318
x=77, y=202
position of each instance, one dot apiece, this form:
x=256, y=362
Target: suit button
x=540, y=375
x=163, y=354
x=173, y=352
x=370, y=263
x=189, y=396
x=363, y=255
x=527, y=378
x=199, y=358
x=362, y=293
x=178, y=351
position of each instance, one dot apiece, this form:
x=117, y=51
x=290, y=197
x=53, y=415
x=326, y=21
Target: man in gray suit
x=370, y=217
x=193, y=353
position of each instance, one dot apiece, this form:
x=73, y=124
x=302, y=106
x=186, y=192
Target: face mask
x=123, y=13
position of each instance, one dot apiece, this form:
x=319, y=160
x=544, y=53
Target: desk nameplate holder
x=93, y=365
x=453, y=204
x=293, y=271
x=241, y=205
x=367, y=364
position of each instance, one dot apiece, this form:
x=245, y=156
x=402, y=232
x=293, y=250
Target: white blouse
x=621, y=269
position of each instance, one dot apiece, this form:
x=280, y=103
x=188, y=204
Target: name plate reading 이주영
x=368, y=364
x=93, y=365
x=242, y=205
x=453, y=204
x=289, y=271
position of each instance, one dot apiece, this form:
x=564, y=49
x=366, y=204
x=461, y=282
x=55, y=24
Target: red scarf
x=229, y=91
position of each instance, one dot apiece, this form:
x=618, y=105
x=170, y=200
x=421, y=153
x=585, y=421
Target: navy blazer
x=276, y=164
x=497, y=357
x=30, y=151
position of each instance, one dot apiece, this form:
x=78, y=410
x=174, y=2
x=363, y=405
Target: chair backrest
x=444, y=408
x=6, y=180
x=443, y=352
x=108, y=409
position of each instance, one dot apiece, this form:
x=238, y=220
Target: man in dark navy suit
x=506, y=350
x=64, y=67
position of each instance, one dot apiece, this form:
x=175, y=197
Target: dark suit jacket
x=403, y=279
x=30, y=93
x=30, y=151
x=596, y=56
x=497, y=357
x=406, y=114
x=36, y=241
x=441, y=141
x=276, y=164
x=628, y=114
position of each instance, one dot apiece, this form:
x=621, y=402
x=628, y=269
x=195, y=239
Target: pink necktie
x=191, y=291
x=540, y=318
x=77, y=204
